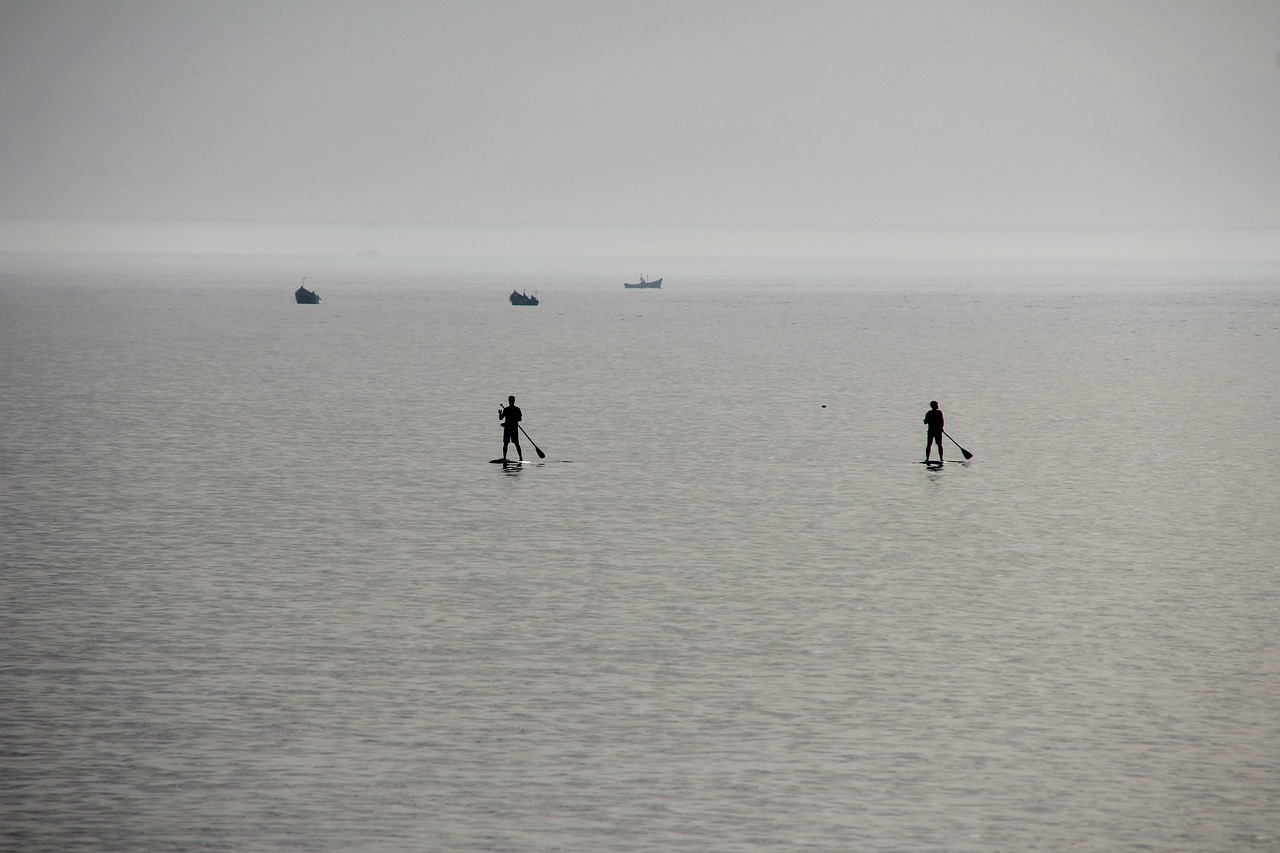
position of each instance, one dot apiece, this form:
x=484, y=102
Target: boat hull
x=306, y=297
x=656, y=283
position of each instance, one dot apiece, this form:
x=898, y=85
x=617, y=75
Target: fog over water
x=830, y=118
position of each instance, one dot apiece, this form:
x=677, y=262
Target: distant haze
x=806, y=127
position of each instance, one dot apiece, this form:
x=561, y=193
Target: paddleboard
x=511, y=461
x=932, y=462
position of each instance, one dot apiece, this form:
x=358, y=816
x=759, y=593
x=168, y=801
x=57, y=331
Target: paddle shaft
x=967, y=454
x=541, y=455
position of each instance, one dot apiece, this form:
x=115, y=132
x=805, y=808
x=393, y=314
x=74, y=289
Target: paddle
x=542, y=455
x=967, y=454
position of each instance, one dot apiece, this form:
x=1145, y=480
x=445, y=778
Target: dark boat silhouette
x=655, y=283
x=306, y=297
x=518, y=298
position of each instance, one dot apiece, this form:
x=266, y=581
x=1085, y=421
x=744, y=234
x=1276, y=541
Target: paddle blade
x=967, y=454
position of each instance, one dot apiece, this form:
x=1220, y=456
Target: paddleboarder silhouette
x=510, y=416
x=933, y=420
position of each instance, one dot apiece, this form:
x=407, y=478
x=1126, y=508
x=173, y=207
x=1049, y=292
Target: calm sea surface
x=261, y=589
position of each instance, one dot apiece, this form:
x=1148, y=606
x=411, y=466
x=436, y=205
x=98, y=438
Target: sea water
x=263, y=590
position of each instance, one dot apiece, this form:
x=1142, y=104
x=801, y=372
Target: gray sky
x=724, y=114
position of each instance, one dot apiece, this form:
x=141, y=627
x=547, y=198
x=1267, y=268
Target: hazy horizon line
x=425, y=241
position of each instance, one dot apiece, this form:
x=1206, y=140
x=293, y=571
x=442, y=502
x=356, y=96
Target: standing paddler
x=510, y=416
x=933, y=420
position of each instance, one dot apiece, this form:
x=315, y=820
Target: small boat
x=306, y=297
x=655, y=283
x=518, y=298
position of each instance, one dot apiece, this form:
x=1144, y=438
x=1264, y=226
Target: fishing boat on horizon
x=657, y=282
x=518, y=298
x=304, y=296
